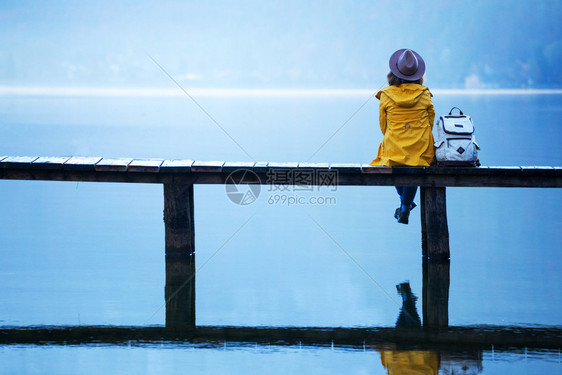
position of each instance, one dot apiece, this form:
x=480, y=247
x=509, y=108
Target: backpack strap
x=451, y=111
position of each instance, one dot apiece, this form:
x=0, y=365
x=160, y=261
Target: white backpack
x=455, y=144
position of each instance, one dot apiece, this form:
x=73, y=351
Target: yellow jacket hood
x=406, y=95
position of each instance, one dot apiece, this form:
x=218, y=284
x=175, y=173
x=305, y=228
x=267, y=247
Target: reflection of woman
x=406, y=362
x=406, y=117
x=408, y=316
x=410, y=362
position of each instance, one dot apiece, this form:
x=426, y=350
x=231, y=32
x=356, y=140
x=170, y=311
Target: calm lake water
x=93, y=253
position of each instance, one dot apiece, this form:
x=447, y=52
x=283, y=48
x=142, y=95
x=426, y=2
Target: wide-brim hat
x=407, y=64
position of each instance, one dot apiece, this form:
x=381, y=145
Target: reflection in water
x=435, y=297
x=420, y=362
x=425, y=345
x=409, y=361
x=408, y=316
x=469, y=363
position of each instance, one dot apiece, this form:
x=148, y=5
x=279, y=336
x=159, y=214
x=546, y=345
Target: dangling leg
x=407, y=195
x=399, y=190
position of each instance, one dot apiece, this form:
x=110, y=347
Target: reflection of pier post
x=180, y=255
x=435, y=293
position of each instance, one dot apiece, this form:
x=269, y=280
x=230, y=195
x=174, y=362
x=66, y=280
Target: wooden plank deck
x=113, y=165
x=18, y=161
x=145, y=165
x=79, y=163
x=216, y=172
x=49, y=162
x=176, y=166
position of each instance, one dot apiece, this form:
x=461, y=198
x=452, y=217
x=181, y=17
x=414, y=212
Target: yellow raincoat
x=410, y=362
x=406, y=117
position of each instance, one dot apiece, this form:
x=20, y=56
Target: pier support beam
x=180, y=255
x=435, y=232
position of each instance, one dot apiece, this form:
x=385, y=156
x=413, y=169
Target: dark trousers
x=407, y=195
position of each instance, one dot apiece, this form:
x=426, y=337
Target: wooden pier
x=179, y=176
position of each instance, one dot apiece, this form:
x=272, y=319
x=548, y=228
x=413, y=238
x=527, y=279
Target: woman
x=406, y=117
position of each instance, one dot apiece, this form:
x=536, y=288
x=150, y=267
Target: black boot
x=403, y=216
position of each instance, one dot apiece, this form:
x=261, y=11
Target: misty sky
x=279, y=44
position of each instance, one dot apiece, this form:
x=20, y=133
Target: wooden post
x=180, y=255
x=435, y=232
x=435, y=292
